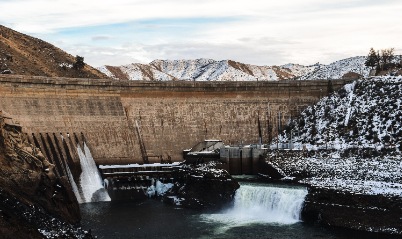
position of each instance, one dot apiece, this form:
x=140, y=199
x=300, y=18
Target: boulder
x=203, y=187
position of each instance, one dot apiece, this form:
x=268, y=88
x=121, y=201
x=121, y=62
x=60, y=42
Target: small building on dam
x=237, y=160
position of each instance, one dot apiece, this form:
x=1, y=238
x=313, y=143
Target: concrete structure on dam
x=142, y=121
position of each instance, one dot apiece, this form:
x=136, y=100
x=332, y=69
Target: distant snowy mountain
x=338, y=69
x=197, y=70
x=135, y=71
x=227, y=70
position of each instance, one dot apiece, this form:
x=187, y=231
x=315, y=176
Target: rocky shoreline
x=371, y=213
x=348, y=192
x=34, y=201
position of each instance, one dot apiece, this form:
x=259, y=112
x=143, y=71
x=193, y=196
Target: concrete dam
x=126, y=122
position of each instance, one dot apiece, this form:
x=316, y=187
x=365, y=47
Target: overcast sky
x=260, y=32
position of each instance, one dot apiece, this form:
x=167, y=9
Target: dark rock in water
x=100, y=196
x=203, y=186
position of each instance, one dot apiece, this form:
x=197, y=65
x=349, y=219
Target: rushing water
x=74, y=185
x=259, y=211
x=90, y=180
x=262, y=204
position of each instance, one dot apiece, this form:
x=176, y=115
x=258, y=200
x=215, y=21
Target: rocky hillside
x=351, y=146
x=25, y=55
x=364, y=114
x=227, y=70
x=351, y=140
x=34, y=201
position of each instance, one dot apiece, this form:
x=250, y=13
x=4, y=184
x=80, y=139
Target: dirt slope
x=25, y=55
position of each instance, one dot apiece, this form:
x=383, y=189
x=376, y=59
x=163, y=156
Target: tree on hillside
x=387, y=55
x=79, y=62
x=373, y=58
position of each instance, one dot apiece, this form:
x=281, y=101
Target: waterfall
x=90, y=179
x=263, y=204
x=73, y=185
x=269, y=204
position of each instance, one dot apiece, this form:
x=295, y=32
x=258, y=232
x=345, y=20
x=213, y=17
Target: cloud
x=100, y=38
x=256, y=32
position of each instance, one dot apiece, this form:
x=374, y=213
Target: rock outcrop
x=34, y=201
x=371, y=213
x=203, y=187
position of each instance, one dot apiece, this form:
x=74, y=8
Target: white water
x=263, y=204
x=159, y=189
x=74, y=185
x=90, y=179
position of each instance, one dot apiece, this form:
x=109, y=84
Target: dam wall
x=143, y=121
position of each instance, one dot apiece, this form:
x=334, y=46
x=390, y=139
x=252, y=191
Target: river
x=259, y=211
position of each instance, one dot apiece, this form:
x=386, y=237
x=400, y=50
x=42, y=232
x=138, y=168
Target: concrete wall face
x=166, y=117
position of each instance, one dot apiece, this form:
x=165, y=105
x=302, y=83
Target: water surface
x=153, y=219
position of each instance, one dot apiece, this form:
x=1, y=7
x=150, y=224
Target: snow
x=354, y=137
x=358, y=116
x=66, y=65
x=106, y=71
x=139, y=165
x=379, y=175
x=226, y=70
x=338, y=69
x=159, y=189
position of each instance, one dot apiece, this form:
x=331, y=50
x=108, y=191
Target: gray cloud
x=100, y=38
x=266, y=32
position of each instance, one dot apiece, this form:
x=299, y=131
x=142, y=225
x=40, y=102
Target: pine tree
x=79, y=62
x=373, y=58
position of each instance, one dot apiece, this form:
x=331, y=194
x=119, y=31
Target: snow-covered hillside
x=364, y=114
x=300, y=70
x=352, y=139
x=197, y=70
x=227, y=70
x=135, y=71
x=338, y=69
x=201, y=70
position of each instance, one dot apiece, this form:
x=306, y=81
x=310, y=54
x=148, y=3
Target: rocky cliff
x=35, y=203
x=203, y=186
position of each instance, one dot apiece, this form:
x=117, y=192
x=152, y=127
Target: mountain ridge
x=203, y=69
